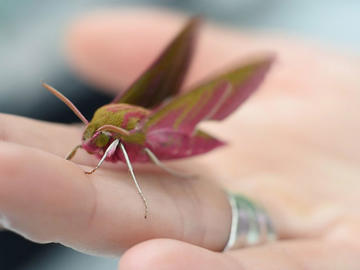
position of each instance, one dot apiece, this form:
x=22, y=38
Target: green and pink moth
x=150, y=121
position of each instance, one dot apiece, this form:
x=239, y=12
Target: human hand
x=292, y=148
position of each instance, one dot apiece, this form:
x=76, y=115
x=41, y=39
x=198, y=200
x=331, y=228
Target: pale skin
x=294, y=147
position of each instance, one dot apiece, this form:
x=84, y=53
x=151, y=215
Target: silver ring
x=250, y=224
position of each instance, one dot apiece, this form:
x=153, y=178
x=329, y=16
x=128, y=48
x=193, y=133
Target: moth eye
x=102, y=139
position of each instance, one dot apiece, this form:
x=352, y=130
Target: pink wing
x=169, y=144
x=214, y=100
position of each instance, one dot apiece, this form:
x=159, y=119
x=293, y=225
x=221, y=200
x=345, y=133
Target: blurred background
x=31, y=49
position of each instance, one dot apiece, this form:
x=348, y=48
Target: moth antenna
x=115, y=129
x=157, y=162
x=66, y=101
x=128, y=163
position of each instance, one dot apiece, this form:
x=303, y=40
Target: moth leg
x=108, y=151
x=73, y=152
x=164, y=167
x=128, y=163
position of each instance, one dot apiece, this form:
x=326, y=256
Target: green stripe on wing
x=165, y=76
x=213, y=100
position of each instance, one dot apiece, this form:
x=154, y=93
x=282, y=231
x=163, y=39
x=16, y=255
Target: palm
x=297, y=145
x=291, y=147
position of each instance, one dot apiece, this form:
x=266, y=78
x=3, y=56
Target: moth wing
x=165, y=76
x=169, y=144
x=213, y=100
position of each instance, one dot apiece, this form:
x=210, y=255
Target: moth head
x=97, y=138
x=95, y=142
x=94, y=137
x=91, y=134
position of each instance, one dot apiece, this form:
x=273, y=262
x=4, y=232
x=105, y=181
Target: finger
x=55, y=138
x=291, y=255
x=112, y=48
x=48, y=199
x=41, y=194
x=292, y=215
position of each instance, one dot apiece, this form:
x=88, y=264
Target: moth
x=152, y=122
